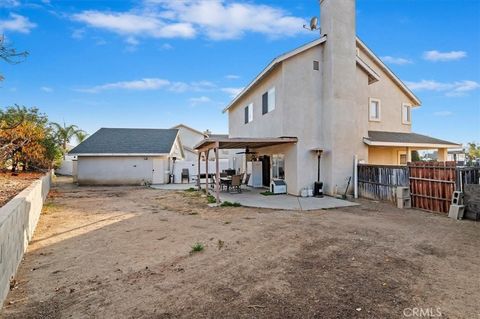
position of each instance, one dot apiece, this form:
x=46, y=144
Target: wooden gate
x=432, y=185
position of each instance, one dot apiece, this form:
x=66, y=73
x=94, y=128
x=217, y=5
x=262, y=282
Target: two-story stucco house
x=333, y=94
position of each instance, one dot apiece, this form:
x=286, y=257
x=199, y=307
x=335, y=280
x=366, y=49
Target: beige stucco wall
x=116, y=170
x=390, y=95
x=189, y=139
x=268, y=125
x=18, y=220
x=385, y=155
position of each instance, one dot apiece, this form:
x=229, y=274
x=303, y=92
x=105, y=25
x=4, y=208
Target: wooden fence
x=379, y=182
x=467, y=175
x=432, y=185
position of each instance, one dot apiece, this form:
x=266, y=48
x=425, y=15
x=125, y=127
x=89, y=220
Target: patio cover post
x=217, y=175
x=198, y=171
x=206, y=172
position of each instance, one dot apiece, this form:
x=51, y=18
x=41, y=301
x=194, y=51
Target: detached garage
x=123, y=156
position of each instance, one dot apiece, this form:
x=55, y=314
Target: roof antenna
x=313, y=25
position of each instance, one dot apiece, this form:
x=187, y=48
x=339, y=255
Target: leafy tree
x=65, y=133
x=28, y=141
x=473, y=152
x=415, y=156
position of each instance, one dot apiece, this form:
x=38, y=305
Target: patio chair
x=185, y=175
x=247, y=179
x=236, y=183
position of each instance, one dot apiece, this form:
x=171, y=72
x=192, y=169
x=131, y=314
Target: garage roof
x=381, y=138
x=127, y=141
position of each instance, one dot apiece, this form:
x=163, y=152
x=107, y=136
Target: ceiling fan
x=247, y=151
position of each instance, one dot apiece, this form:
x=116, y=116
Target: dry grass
x=124, y=252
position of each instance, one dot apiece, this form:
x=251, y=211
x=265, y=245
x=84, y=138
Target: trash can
x=318, y=189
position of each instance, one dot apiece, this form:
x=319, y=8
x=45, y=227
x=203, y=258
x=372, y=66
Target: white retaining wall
x=18, y=219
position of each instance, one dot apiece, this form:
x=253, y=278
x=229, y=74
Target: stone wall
x=18, y=219
x=472, y=201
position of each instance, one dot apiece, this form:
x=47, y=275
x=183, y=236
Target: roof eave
x=118, y=154
x=389, y=72
x=272, y=65
x=405, y=144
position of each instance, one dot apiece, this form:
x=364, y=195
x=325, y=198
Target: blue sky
x=156, y=63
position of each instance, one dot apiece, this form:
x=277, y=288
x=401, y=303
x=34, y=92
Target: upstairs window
x=268, y=101
x=249, y=113
x=406, y=113
x=374, y=110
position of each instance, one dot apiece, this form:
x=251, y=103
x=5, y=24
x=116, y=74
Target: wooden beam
x=217, y=175
x=206, y=172
x=198, y=171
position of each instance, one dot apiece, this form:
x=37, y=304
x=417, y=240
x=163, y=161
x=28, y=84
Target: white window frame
x=379, y=111
x=271, y=100
x=250, y=112
x=407, y=120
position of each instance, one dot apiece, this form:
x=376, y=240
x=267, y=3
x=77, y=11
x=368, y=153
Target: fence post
x=355, y=176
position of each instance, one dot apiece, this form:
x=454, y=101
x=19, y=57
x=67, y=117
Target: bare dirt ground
x=11, y=185
x=124, y=252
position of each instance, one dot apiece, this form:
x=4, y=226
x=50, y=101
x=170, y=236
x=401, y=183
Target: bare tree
x=9, y=54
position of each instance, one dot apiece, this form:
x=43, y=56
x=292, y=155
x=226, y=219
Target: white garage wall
x=115, y=170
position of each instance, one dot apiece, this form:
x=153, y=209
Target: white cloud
x=199, y=100
x=135, y=24
x=458, y=88
x=436, y=56
x=151, y=84
x=216, y=19
x=394, y=60
x=46, y=89
x=166, y=46
x=233, y=92
x=232, y=77
x=443, y=113
x=17, y=23
x=137, y=85
x=78, y=34
x=9, y=3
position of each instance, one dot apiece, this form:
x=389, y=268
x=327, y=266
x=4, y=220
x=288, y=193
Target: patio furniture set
x=232, y=182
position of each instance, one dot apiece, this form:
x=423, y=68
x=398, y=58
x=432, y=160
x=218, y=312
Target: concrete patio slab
x=173, y=187
x=253, y=198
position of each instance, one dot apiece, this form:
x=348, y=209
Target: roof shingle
x=128, y=141
x=407, y=138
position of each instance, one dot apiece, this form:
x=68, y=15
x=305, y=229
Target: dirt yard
x=11, y=185
x=125, y=252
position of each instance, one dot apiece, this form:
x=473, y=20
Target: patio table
x=226, y=181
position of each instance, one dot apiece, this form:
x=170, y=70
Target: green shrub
x=197, y=247
x=267, y=193
x=230, y=204
x=211, y=199
x=191, y=190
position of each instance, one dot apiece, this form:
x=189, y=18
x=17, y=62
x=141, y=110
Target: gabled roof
x=188, y=128
x=372, y=76
x=273, y=64
x=127, y=141
x=389, y=72
x=381, y=138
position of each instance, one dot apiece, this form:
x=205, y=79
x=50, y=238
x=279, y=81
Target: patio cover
x=222, y=142
x=381, y=138
x=242, y=142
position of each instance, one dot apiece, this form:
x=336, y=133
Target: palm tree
x=81, y=136
x=65, y=133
